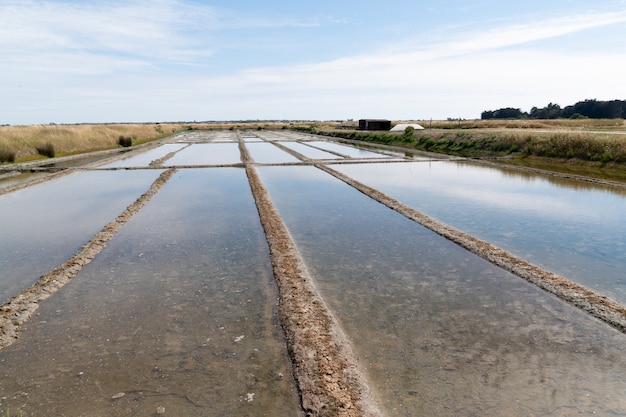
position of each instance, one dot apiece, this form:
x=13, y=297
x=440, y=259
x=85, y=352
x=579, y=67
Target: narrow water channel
x=439, y=330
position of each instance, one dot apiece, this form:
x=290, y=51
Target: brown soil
x=324, y=364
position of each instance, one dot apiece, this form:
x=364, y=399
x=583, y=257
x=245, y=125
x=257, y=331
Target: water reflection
x=441, y=331
x=144, y=159
x=347, y=150
x=309, y=151
x=44, y=225
x=177, y=312
x=207, y=154
x=578, y=232
x=266, y=153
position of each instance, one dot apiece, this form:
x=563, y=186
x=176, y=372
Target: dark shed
x=374, y=124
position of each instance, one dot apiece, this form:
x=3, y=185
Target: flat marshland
x=23, y=141
x=589, y=147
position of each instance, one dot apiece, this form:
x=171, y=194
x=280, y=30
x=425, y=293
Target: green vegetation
x=594, y=109
x=590, y=147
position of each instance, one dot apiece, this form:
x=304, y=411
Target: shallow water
x=266, y=153
x=178, y=311
x=575, y=229
x=144, y=159
x=207, y=154
x=44, y=225
x=439, y=330
x=309, y=151
x=348, y=151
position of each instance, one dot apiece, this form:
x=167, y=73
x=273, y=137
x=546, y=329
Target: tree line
x=592, y=109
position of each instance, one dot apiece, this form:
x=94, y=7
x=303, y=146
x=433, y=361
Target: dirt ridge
x=324, y=365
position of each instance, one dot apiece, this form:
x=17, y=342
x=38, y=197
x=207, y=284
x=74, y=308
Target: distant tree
x=591, y=108
x=504, y=113
x=551, y=111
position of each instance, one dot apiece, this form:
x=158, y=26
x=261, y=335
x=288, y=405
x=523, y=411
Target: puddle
x=574, y=229
x=178, y=311
x=206, y=154
x=439, y=330
x=44, y=225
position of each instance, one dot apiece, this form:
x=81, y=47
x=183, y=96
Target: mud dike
x=324, y=365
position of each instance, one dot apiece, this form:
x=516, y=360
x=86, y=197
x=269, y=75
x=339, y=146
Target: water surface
x=46, y=224
x=439, y=330
x=266, y=153
x=144, y=159
x=309, y=151
x=572, y=228
x=178, y=311
x=207, y=154
x=348, y=151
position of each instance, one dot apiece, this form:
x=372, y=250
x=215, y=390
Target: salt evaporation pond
x=439, y=330
x=348, y=151
x=309, y=151
x=178, y=311
x=266, y=153
x=572, y=228
x=145, y=158
x=207, y=154
x=44, y=225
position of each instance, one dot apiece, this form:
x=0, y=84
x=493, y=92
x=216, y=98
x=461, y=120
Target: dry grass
x=70, y=139
x=23, y=141
x=567, y=124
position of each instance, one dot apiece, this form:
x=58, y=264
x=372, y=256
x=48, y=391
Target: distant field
x=595, y=140
x=22, y=141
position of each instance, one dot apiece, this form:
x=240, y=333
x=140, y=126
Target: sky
x=94, y=61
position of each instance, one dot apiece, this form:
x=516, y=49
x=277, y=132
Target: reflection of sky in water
x=178, y=310
x=310, y=152
x=207, y=154
x=144, y=159
x=347, y=150
x=266, y=153
x=44, y=225
x=576, y=230
x=436, y=327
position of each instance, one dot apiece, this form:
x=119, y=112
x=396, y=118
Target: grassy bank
x=22, y=143
x=593, y=148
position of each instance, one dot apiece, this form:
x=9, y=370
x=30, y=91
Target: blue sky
x=67, y=61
